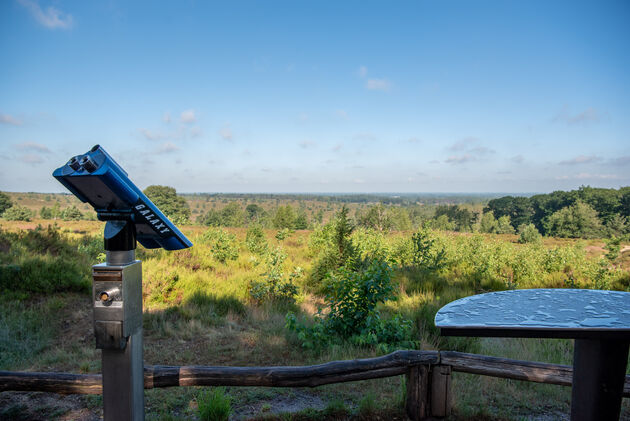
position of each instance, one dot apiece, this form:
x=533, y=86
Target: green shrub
x=223, y=245
x=352, y=297
x=528, y=234
x=214, y=405
x=17, y=213
x=255, y=240
x=273, y=287
x=71, y=214
x=283, y=234
x=426, y=254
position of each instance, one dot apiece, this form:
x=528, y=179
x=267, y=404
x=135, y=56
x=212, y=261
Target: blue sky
x=485, y=96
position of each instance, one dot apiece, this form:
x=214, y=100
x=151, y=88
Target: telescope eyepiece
x=87, y=163
x=74, y=163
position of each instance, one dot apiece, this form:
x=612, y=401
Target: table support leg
x=599, y=369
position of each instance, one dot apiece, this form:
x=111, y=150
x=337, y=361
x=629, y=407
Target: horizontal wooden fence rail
x=427, y=372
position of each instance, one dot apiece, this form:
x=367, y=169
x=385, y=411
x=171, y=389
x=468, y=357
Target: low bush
x=351, y=299
x=274, y=287
x=223, y=245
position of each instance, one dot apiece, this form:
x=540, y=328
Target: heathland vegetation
x=275, y=280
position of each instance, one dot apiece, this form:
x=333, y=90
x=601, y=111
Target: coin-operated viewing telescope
x=130, y=216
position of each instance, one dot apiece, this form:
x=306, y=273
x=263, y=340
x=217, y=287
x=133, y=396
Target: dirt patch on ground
x=293, y=402
x=36, y=406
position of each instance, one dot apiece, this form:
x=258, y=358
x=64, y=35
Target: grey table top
x=559, y=313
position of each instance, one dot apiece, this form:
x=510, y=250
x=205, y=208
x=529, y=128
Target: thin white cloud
x=460, y=159
x=621, y=161
x=226, y=133
x=464, y=144
x=51, y=18
x=341, y=114
x=588, y=176
x=469, y=149
x=32, y=146
x=581, y=159
x=414, y=140
x=166, y=117
x=375, y=84
x=196, y=131
x=364, y=137
x=166, y=148
x=587, y=116
x=31, y=159
x=518, y=159
x=363, y=71
x=152, y=135
x=188, y=116
x=9, y=119
x=481, y=150
x=307, y=144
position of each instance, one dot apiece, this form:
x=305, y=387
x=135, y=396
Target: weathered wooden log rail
x=427, y=372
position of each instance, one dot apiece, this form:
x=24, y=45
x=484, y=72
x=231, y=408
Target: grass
x=197, y=311
x=214, y=405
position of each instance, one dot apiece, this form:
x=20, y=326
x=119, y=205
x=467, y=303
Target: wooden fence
x=427, y=373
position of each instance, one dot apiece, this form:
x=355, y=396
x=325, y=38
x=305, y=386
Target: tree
x=46, y=213
x=504, y=226
x=5, y=202
x=211, y=218
x=173, y=206
x=71, y=214
x=528, y=234
x=441, y=223
x=617, y=226
x=376, y=218
x=285, y=217
x=604, y=201
x=576, y=221
x=462, y=218
x=17, y=213
x=301, y=220
x=254, y=212
x=342, y=231
x=489, y=224
x=399, y=219
x=232, y=215
x=519, y=209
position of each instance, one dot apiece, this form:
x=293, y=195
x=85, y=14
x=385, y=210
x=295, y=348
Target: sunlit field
x=204, y=306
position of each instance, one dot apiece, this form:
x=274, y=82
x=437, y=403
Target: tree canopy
x=166, y=199
x=5, y=202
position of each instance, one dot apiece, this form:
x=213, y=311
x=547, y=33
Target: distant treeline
x=583, y=213
x=385, y=198
x=587, y=212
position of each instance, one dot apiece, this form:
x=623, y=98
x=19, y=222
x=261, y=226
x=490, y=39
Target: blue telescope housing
x=97, y=179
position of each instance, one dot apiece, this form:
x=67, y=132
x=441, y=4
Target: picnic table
x=598, y=321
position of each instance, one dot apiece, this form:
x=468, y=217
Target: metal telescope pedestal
x=117, y=294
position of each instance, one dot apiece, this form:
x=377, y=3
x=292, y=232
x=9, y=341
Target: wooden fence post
x=417, y=392
x=440, y=391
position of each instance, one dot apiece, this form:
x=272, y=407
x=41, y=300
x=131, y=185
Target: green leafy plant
x=274, y=287
x=214, y=405
x=283, y=234
x=528, y=234
x=351, y=298
x=223, y=245
x=255, y=240
x=17, y=213
x=426, y=254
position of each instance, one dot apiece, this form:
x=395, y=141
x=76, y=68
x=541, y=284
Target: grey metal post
x=118, y=330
